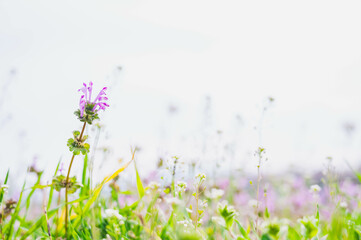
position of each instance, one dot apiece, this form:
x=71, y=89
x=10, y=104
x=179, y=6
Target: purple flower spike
x=98, y=103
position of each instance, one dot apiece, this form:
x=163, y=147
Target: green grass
x=159, y=211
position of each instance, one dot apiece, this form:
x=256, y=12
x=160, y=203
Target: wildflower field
x=163, y=205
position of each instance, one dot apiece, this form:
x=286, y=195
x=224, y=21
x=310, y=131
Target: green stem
x=258, y=183
x=66, y=186
x=197, y=196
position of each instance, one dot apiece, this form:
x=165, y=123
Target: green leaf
x=42, y=219
x=86, y=146
x=139, y=183
x=83, y=179
x=165, y=233
x=50, y=198
x=166, y=191
x=5, y=181
x=266, y=214
x=292, y=234
x=14, y=216
x=97, y=191
x=266, y=237
x=241, y=229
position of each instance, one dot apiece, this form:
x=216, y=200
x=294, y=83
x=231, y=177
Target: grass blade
x=139, y=183
x=5, y=181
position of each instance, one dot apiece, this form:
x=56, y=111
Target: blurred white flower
x=153, y=185
x=173, y=200
x=109, y=213
x=343, y=204
x=4, y=188
x=185, y=222
x=214, y=193
x=201, y=177
x=219, y=220
x=253, y=203
x=108, y=237
x=203, y=204
x=181, y=186
x=315, y=188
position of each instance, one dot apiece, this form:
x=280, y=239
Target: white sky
x=305, y=54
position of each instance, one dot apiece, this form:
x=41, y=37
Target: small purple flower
x=61, y=169
x=85, y=100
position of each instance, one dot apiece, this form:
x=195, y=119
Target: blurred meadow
x=214, y=120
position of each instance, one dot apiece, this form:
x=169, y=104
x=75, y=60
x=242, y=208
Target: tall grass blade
x=139, y=183
x=5, y=182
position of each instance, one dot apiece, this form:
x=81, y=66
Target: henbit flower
x=89, y=107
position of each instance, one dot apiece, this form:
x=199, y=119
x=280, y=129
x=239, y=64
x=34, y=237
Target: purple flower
x=98, y=103
x=61, y=169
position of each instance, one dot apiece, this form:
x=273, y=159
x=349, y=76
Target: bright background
x=186, y=78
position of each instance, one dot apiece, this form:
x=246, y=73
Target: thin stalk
x=66, y=185
x=173, y=175
x=258, y=185
x=197, y=194
x=47, y=223
x=57, y=213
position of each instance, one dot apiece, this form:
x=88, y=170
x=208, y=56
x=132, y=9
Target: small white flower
x=109, y=213
x=224, y=205
x=315, y=188
x=343, y=204
x=4, y=188
x=203, y=204
x=185, y=222
x=153, y=185
x=189, y=210
x=201, y=177
x=108, y=237
x=253, y=203
x=173, y=200
x=214, y=193
x=181, y=186
x=219, y=220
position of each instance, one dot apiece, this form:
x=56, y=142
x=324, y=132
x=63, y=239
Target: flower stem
x=67, y=184
x=197, y=198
